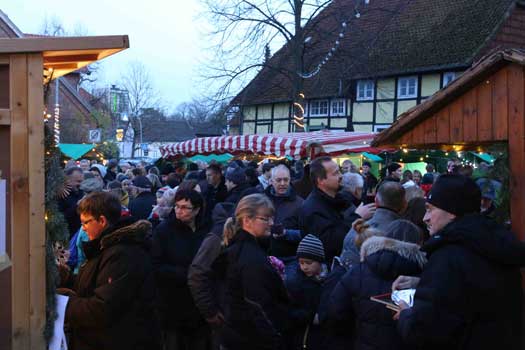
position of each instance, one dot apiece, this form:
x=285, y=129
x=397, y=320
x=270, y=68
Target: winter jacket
x=214, y=195
x=256, y=309
x=369, y=185
x=382, y=261
x=239, y=191
x=338, y=334
x=287, y=209
x=173, y=248
x=203, y=284
x=303, y=187
x=381, y=219
x=115, y=291
x=322, y=216
x=142, y=205
x=68, y=206
x=305, y=294
x=470, y=294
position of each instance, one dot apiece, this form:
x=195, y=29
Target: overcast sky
x=163, y=34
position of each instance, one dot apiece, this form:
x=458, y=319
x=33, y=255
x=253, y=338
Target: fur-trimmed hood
x=390, y=257
x=134, y=233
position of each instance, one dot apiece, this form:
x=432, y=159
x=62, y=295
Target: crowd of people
x=286, y=256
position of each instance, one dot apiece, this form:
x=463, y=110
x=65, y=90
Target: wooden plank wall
x=5, y=276
x=492, y=111
x=27, y=201
x=480, y=115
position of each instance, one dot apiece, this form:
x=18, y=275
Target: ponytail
x=231, y=228
x=247, y=208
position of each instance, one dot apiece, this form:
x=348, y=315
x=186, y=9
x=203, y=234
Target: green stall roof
x=75, y=150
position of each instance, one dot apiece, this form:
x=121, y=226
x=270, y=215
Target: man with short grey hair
x=390, y=204
x=287, y=205
x=353, y=183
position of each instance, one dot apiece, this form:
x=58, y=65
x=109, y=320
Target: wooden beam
x=71, y=58
x=37, y=233
x=19, y=189
x=58, y=66
x=516, y=122
x=5, y=117
x=27, y=45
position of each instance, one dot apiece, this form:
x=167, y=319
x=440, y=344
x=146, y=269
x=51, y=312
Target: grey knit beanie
x=311, y=247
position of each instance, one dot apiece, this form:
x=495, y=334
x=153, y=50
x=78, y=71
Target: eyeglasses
x=87, y=221
x=183, y=208
x=265, y=219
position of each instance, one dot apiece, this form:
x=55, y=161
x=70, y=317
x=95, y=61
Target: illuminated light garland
x=333, y=49
x=56, y=127
x=298, y=124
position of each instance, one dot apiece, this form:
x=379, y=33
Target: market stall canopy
x=74, y=150
x=219, y=158
x=331, y=142
x=63, y=55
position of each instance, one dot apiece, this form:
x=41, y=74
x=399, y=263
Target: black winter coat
x=256, y=300
x=141, y=206
x=323, y=216
x=385, y=259
x=173, y=248
x=239, y=191
x=115, y=291
x=305, y=294
x=287, y=210
x=204, y=286
x=68, y=206
x=339, y=334
x=470, y=294
x=213, y=196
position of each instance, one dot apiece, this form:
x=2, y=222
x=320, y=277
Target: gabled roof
x=391, y=37
x=476, y=74
x=167, y=130
x=8, y=27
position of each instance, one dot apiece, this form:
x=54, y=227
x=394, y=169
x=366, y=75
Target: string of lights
x=333, y=49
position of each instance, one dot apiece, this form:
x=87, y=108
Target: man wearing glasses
x=112, y=302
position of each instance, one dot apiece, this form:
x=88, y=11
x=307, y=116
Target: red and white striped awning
x=330, y=142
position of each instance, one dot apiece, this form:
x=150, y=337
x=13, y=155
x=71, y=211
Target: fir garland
x=56, y=226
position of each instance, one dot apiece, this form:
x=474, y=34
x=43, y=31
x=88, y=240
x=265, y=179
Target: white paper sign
x=58, y=342
x=3, y=206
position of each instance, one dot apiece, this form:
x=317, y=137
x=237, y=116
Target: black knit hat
x=236, y=175
x=456, y=194
x=311, y=248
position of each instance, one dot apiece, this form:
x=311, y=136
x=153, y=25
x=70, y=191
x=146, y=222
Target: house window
x=407, y=87
x=319, y=108
x=365, y=90
x=338, y=107
x=448, y=78
x=379, y=128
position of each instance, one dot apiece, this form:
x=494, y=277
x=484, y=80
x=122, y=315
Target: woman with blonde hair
x=256, y=300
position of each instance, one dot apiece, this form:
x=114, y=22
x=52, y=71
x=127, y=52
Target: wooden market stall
x=25, y=65
x=486, y=105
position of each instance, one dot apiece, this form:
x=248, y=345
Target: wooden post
x=27, y=202
x=37, y=233
x=20, y=274
x=516, y=122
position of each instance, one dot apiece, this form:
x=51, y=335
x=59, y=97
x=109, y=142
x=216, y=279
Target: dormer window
x=365, y=90
x=407, y=87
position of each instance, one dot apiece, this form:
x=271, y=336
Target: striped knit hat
x=311, y=248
